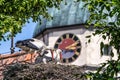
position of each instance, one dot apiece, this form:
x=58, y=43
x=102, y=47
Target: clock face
x=70, y=46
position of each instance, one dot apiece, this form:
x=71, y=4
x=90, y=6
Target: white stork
x=32, y=45
x=35, y=45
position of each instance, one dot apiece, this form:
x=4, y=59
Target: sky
x=27, y=33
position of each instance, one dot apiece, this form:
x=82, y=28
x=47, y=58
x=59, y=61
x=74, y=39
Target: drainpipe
x=12, y=45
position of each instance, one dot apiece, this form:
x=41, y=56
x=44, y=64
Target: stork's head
x=24, y=44
x=30, y=44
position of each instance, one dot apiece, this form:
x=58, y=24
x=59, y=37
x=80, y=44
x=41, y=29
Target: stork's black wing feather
x=32, y=46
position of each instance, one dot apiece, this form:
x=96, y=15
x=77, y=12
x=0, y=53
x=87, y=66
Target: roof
x=69, y=14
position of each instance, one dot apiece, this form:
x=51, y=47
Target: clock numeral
x=67, y=36
x=77, y=53
x=64, y=36
x=70, y=59
x=64, y=61
x=78, y=50
x=75, y=56
x=75, y=38
x=78, y=41
x=70, y=35
x=67, y=60
x=57, y=42
x=61, y=38
x=56, y=46
x=78, y=47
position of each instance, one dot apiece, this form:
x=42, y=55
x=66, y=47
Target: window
x=106, y=50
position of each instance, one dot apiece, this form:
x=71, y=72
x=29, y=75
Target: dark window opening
x=106, y=50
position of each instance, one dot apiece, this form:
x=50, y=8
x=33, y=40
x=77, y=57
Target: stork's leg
x=44, y=61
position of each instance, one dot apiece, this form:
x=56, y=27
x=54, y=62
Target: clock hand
x=72, y=46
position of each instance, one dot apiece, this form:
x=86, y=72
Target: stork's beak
x=18, y=43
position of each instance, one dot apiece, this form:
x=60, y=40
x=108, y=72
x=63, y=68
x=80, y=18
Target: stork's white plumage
x=35, y=45
x=31, y=45
x=51, y=55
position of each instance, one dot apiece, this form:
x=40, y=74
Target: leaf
x=16, y=13
x=78, y=0
x=101, y=47
x=88, y=36
x=89, y=41
x=118, y=66
x=108, y=8
x=104, y=37
x=98, y=32
x=111, y=53
x=110, y=78
x=10, y=9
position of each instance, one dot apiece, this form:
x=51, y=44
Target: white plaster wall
x=90, y=52
x=93, y=50
x=82, y=59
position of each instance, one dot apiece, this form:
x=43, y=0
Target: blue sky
x=27, y=32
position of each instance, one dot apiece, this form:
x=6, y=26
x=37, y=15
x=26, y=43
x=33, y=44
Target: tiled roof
x=20, y=57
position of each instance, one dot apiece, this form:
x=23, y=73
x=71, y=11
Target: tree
x=15, y=13
x=105, y=16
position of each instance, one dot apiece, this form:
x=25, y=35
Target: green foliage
x=15, y=13
x=105, y=16
x=108, y=71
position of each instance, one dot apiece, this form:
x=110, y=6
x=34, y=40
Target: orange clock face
x=70, y=46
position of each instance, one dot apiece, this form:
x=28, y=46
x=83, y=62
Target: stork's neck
x=52, y=53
